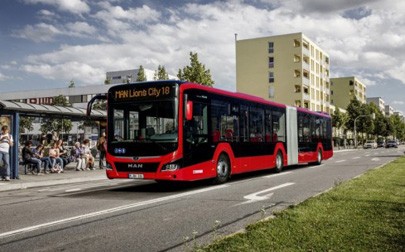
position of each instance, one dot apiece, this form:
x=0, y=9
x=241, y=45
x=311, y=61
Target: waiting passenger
x=39, y=153
x=57, y=162
x=80, y=157
x=29, y=158
x=87, y=154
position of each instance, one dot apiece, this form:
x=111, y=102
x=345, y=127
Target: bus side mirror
x=189, y=110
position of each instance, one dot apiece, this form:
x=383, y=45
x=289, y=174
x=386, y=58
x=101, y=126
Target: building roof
x=49, y=110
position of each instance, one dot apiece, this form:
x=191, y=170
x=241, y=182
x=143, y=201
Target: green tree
x=161, y=74
x=141, y=74
x=26, y=124
x=398, y=127
x=58, y=125
x=353, y=111
x=338, y=119
x=196, y=72
x=107, y=81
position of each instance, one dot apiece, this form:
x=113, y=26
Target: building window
x=271, y=62
x=297, y=58
x=116, y=77
x=351, y=83
x=297, y=43
x=271, y=47
x=306, y=74
x=271, y=92
x=271, y=77
x=297, y=73
x=297, y=89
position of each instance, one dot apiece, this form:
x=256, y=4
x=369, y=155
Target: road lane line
x=107, y=211
x=278, y=174
x=73, y=190
x=340, y=161
x=355, y=157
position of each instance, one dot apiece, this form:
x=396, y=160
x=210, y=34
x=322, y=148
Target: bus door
x=196, y=142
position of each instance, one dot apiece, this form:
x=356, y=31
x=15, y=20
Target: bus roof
x=189, y=85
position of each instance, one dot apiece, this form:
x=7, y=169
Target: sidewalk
x=70, y=175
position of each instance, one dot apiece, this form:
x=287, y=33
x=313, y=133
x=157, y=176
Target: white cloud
x=72, y=6
x=370, y=47
x=47, y=15
x=3, y=77
x=38, y=33
x=80, y=29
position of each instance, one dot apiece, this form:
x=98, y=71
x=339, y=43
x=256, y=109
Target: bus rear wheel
x=279, y=162
x=318, y=158
x=223, y=169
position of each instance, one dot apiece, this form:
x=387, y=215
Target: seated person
x=29, y=157
x=63, y=153
x=57, y=162
x=39, y=153
x=87, y=155
x=80, y=157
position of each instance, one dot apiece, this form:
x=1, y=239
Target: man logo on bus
x=136, y=166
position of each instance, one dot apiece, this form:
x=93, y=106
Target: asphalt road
x=145, y=216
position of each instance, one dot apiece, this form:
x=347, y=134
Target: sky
x=47, y=43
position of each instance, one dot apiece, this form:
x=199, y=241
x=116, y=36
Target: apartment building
x=345, y=89
x=389, y=111
x=378, y=102
x=289, y=68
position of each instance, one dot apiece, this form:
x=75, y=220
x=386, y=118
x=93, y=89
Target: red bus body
x=197, y=131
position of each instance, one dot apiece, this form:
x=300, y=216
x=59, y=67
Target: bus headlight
x=171, y=167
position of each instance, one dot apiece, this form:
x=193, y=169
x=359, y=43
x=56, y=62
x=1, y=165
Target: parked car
x=380, y=144
x=370, y=144
x=391, y=144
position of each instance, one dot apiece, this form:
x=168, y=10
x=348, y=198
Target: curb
x=19, y=185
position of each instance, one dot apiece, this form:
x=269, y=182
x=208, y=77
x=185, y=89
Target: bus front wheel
x=279, y=162
x=223, y=169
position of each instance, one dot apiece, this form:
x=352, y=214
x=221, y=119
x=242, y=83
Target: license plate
x=135, y=176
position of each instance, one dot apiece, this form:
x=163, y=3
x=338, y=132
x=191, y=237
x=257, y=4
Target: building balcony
x=305, y=81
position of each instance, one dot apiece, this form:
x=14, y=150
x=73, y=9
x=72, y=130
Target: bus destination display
x=143, y=93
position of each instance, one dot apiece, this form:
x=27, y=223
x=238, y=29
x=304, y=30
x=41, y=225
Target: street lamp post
x=355, y=132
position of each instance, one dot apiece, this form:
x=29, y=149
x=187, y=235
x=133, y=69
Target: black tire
x=279, y=162
x=223, y=169
x=318, y=158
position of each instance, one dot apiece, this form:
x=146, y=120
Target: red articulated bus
x=180, y=131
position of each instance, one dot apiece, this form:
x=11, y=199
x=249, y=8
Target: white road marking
x=73, y=190
x=278, y=174
x=340, y=161
x=106, y=211
x=356, y=158
x=253, y=197
x=375, y=159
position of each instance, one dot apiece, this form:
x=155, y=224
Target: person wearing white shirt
x=6, y=140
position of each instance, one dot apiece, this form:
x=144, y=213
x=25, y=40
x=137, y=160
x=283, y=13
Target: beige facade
x=378, y=102
x=289, y=69
x=344, y=89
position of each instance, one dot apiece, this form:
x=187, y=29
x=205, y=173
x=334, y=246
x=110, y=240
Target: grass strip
x=364, y=214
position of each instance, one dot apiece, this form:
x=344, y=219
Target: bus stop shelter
x=11, y=111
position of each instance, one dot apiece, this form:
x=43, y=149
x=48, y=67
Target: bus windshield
x=145, y=128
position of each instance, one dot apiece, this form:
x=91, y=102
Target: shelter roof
x=50, y=110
